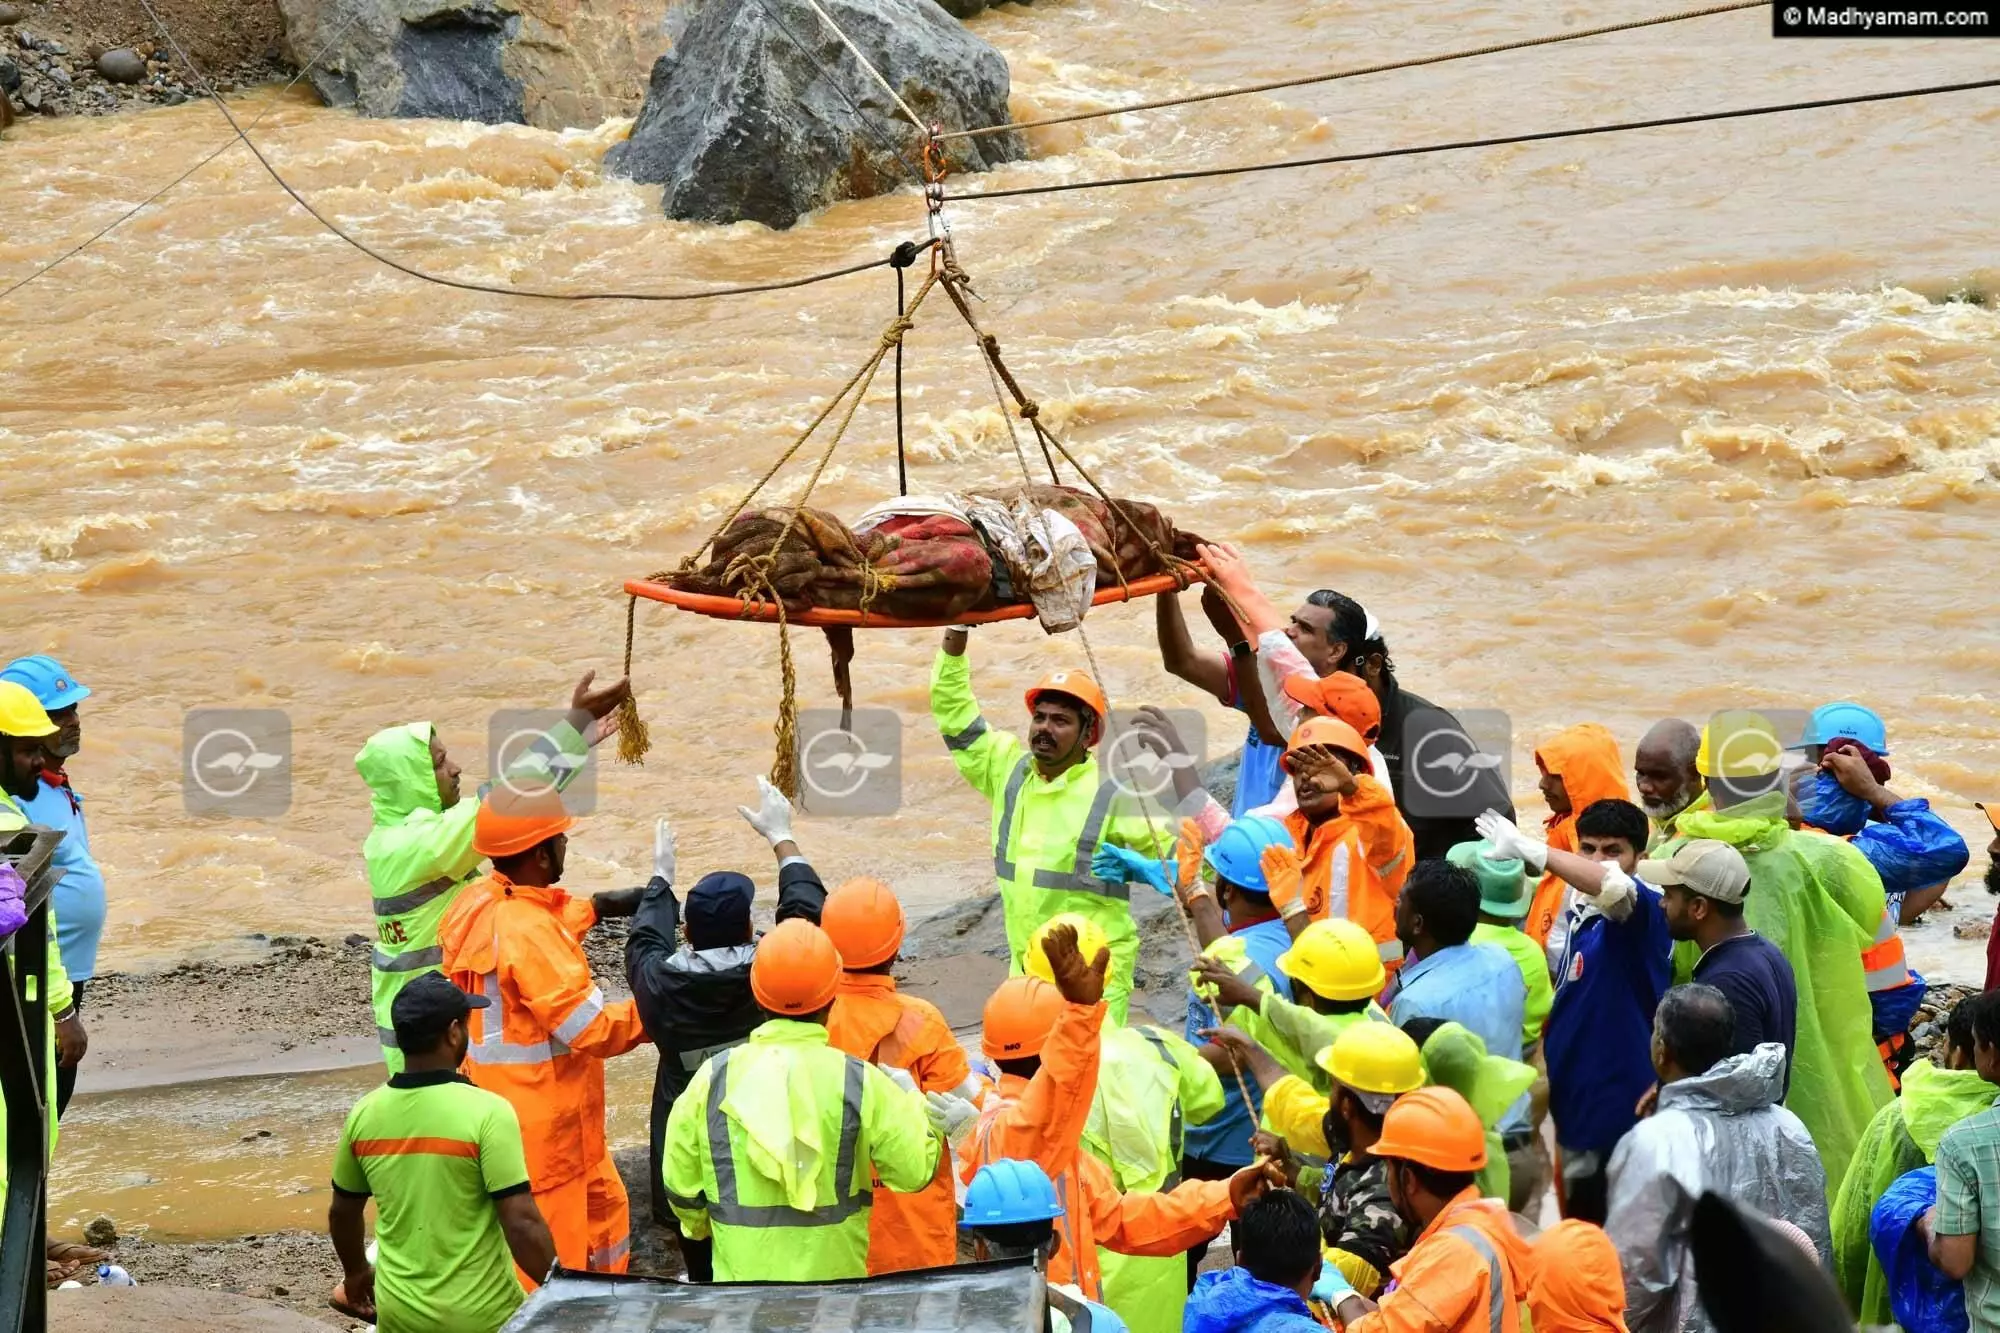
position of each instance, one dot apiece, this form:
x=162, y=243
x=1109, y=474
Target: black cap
x=427, y=1006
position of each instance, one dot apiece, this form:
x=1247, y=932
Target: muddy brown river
x=1607, y=429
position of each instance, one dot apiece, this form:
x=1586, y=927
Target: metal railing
x=24, y=1045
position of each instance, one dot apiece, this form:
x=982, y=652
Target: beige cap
x=1704, y=866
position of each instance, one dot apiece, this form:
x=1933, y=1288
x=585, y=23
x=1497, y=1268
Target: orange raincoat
x=542, y=1045
x=1447, y=1280
x=871, y=1022
x=1356, y=862
x=1042, y=1120
x=1586, y=758
x=1577, y=1285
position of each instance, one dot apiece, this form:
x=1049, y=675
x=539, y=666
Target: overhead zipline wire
x=391, y=261
x=1498, y=141
x=1307, y=80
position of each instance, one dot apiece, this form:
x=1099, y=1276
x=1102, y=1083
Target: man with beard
x=78, y=899
x=1664, y=771
x=1052, y=807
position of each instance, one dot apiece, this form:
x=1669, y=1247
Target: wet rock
x=739, y=124
x=10, y=74
x=123, y=65
x=11, y=14
x=100, y=1232
x=556, y=64
x=1971, y=930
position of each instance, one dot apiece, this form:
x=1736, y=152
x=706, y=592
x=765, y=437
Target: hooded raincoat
x=1455, y=1057
x=1819, y=901
x=1586, y=758
x=1902, y=1137
x=1721, y=1130
x=1577, y=1286
x=419, y=855
x=1232, y=1301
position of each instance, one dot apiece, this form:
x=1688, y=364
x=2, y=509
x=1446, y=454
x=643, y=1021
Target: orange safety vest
x=871, y=1022
x=1468, y=1272
x=1883, y=960
x=1357, y=862
x=543, y=1040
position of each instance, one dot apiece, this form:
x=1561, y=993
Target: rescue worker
x=1151, y=1084
x=419, y=852
x=1011, y=1210
x=1335, y=975
x=78, y=898
x=772, y=1149
x=1467, y=1270
x=694, y=996
x=1045, y=1041
x=1579, y=1286
x=515, y=937
x=1579, y=767
x=872, y=1021
x=1052, y=807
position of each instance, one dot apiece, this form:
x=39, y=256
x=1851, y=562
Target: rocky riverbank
x=98, y=57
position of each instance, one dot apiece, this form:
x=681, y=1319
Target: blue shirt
x=1478, y=986
x=1598, y=1042
x=79, y=896
x=1226, y=1138
x=1762, y=992
x=1258, y=776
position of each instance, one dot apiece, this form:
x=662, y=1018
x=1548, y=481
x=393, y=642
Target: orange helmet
x=1329, y=731
x=1019, y=1017
x=1341, y=695
x=796, y=969
x=1433, y=1127
x=1079, y=686
x=864, y=921
x=512, y=820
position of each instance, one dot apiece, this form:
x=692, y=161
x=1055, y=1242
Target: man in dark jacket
x=694, y=998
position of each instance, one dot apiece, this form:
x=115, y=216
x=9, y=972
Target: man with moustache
x=1665, y=773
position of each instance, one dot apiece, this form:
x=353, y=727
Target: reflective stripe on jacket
x=1883, y=962
x=1467, y=1273
x=1045, y=832
x=543, y=1042
x=798, y=1106
x=873, y=1023
x=1356, y=862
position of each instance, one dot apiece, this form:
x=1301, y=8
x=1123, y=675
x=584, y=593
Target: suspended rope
x=1499, y=141
x=1307, y=80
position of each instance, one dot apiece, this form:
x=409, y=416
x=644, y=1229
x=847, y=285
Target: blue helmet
x=52, y=686
x=1236, y=855
x=1009, y=1191
x=1830, y=722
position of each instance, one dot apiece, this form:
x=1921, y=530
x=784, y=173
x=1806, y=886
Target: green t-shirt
x=435, y=1152
x=1534, y=965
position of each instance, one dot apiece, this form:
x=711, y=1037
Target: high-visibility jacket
x=1043, y=1119
x=874, y=1023
x=1045, y=832
x=61, y=995
x=772, y=1150
x=1151, y=1084
x=544, y=1039
x=1467, y=1273
x=419, y=855
x=1586, y=758
x=1356, y=862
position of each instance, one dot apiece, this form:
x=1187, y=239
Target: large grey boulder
x=740, y=123
x=557, y=64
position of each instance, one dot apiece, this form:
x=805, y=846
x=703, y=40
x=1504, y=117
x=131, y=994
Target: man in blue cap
x=79, y=895
x=694, y=998
x=1010, y=1212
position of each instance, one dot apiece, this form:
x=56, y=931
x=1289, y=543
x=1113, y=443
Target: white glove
x=773, y=815
x=900, y=1077
x=664, y=848
x=953, y=1117
x=1508, y=841
x=1618, y=894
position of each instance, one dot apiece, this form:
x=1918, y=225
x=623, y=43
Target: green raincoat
x=1455, y=1057
x=419, y=855
x=1819, y=901
x=1902, y=1137
x=61, y=996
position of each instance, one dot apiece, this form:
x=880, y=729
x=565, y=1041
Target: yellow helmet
x=21, y=713
x=1372, y=1057
x=1739, y=744
x=1090, y=937
x=1337, y=959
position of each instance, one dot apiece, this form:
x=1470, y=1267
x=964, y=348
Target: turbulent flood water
x=1600, y=430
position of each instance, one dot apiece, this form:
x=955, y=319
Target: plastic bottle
x=111, y=1275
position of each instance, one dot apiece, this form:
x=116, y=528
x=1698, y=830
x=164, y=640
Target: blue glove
x=1333, y=1286
x=1122, y=865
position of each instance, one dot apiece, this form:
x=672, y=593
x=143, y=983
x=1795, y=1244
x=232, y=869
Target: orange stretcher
x=733, y=608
